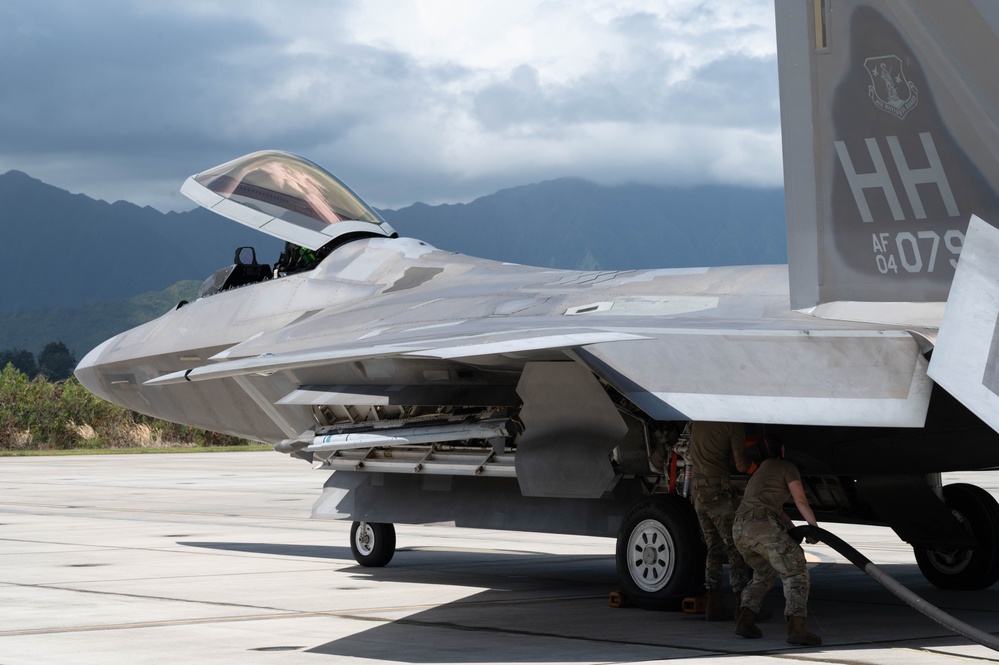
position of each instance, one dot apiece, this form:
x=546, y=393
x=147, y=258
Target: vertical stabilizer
x=890, y=120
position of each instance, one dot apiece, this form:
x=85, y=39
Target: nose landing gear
x=372, y=543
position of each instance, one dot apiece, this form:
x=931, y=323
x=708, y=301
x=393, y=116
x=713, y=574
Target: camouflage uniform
x=763, y=540
x=712, y=445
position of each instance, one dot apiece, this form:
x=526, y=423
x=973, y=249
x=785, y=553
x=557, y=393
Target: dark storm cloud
x=710, y=87
x=733, y=90
x=123, y=99
x=79, y=81
x=113, y=88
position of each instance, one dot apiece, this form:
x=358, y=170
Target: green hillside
x=83, y=327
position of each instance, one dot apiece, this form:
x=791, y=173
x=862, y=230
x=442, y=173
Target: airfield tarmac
x=196, y=558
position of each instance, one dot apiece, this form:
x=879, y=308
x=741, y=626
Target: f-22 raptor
x=439, y=387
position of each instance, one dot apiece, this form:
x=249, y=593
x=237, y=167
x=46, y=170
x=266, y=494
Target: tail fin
x=890, y=120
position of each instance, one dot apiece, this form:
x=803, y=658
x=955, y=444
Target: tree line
x=55, y=361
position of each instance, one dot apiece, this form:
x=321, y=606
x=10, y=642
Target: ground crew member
x=713, y=446
x=760, y=529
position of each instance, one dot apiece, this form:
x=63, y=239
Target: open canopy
x=285, y=196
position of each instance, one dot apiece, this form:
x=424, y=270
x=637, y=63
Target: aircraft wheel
x=660, y=554
x=372, y=543
x=966, y=569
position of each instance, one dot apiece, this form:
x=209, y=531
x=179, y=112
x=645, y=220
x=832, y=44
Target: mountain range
x=79, y=269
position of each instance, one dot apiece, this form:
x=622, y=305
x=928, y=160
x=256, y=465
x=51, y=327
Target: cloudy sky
x=406, y=100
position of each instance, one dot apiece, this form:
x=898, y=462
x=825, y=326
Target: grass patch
x=38, y=416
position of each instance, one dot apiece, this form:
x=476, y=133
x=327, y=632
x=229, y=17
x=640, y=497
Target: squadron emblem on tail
x=890, y=90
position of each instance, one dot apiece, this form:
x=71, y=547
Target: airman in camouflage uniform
x=760, y=530
x=769, y=550
x=712, y=446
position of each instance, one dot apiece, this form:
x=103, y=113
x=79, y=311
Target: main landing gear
x=660, y=554
x=963, y=569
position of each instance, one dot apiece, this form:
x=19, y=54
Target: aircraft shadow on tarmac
x=278, y=549
x=541, y=607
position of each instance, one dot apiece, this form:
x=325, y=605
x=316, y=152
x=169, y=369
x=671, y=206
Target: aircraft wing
x=797, y=371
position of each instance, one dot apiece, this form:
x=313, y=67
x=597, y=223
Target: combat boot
x=746, y=624
x=797, y=634
x=716, y=609
x=763, y=615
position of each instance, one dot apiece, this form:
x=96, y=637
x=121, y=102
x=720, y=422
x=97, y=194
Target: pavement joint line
x=43, y=585
x=524, y=557
x=351, y=616
x=824, y=660
x=118, y=509
x=158, y=624
x=357, y=614
x=366, y=615
x=163, y=550
x=401, y=608
x=781, y=652
x=53, y=587
x=955, y=656
x=578, y=638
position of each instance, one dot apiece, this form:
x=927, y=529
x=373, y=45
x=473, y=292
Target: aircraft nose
x=88, y=372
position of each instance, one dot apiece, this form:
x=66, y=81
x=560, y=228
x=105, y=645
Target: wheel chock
x=618, y=599
x=695, y=605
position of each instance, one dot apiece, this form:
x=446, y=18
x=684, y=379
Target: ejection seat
x=244, y=270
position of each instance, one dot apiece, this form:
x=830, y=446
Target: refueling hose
x=814, y=533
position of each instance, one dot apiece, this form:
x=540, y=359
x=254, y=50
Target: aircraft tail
x=890, y=121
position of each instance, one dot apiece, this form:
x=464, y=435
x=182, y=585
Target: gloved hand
x=804, y=532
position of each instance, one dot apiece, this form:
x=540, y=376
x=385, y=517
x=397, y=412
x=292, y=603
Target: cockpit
x=290, y=198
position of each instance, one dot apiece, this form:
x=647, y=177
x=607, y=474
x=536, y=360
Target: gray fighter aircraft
x=444, y=388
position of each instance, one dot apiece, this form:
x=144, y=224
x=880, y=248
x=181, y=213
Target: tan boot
x=745, y=626
x=797, y=634
x=716, y=609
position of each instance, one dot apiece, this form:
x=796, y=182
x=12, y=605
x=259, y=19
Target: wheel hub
x=950, y=561
x=653, y=558
x=364, y=538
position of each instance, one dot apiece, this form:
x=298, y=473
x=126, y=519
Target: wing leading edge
x=851, y=376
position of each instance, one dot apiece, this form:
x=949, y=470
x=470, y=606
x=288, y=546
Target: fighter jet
x=439, y=387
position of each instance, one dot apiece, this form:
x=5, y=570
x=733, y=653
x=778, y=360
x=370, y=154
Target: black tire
x=660, y=554
x=372, y=543
x=966, y=570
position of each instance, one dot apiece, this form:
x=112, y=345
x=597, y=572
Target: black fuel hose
x=913, y=600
